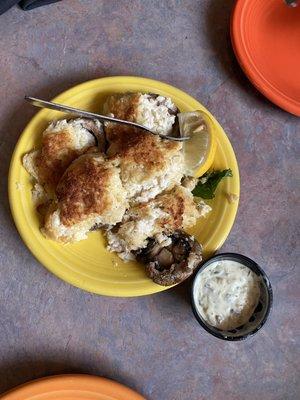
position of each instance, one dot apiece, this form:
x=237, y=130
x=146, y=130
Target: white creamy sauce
x=227, y=293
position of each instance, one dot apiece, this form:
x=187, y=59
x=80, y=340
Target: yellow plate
x=87, y=264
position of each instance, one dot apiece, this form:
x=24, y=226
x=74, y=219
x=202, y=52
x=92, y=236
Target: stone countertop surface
x=152, y=344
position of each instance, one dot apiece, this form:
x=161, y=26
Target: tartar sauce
x=227, y=294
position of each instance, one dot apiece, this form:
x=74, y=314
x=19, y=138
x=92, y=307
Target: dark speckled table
x=152, y=344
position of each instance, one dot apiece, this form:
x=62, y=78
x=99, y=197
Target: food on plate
x=166, y=213
x=149, y=164
x=232, y=198
x=137, y=187
x=155, y=112
x=171, y=260
x=90, y=192
x=227, y=294
x=62, y=142
x=207, y=184
x=199, y=151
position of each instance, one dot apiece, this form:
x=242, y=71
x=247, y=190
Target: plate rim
x=249, y=68
x=61, y=379
x=60, y=273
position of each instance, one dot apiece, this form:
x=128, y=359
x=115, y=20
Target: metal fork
x=86, y=114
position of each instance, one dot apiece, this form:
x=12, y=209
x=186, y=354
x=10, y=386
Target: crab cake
x=164, y=214
x=89, y=193
x=149, y=165
x=62, y=142
x=156, y=112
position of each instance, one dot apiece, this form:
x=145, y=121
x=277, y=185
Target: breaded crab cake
x=166, y=213
x=149, y=165
x=62, y=142
x=89, y=193
x=156, y=112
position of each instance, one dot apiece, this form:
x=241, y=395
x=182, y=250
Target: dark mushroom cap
x=168, y=264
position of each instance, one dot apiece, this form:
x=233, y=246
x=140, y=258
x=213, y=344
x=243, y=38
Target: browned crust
x=83, y=189
x=123, y=106
x=142, y=154
x=133, y=145
x=56, y=153
x=54, y=157
x=174, y=204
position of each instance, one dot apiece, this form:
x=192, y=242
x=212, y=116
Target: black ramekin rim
x=255, y=268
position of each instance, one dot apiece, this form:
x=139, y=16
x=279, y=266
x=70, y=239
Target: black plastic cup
x=260, y=314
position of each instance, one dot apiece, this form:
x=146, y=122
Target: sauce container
x=264, y=301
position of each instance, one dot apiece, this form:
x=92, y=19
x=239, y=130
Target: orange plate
x=72, y=387
x=266, y=39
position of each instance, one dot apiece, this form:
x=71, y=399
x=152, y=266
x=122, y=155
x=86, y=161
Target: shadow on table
x=218, y=31
x=183, y=291
x=17, y=372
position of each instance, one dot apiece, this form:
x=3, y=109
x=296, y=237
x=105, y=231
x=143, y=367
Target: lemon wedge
x=199, y=150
